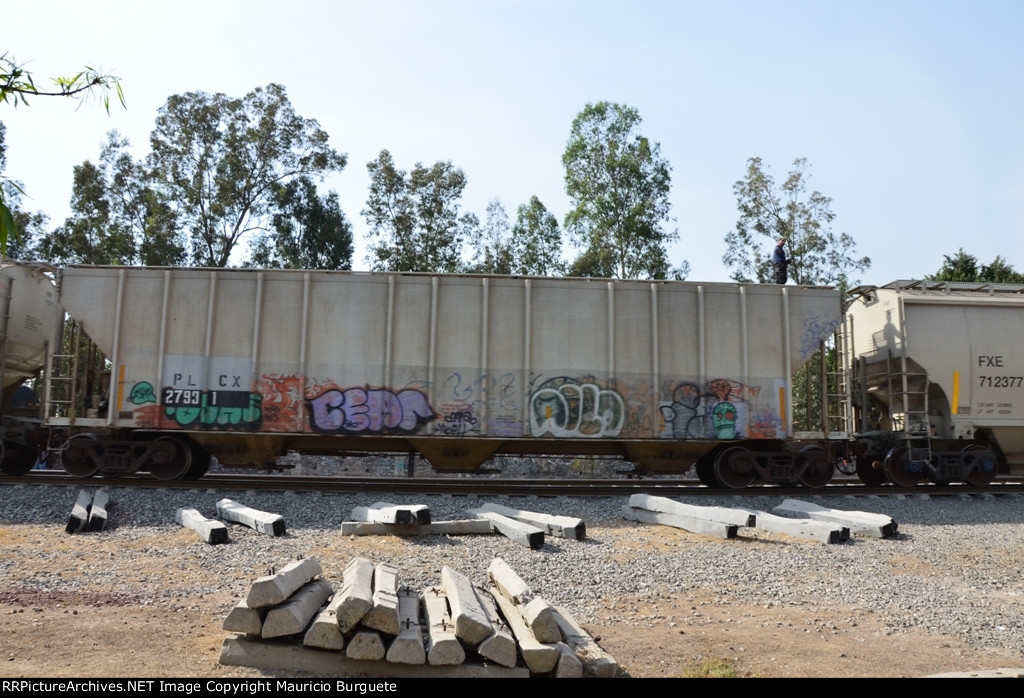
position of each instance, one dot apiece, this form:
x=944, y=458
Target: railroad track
x=575, y=487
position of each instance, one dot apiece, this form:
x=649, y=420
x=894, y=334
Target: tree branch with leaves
x=16, y=85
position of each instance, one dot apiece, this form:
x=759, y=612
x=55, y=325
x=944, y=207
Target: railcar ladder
x=838, y=382
x=61, y=372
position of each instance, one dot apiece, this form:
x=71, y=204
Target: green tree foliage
x=307, y=232
x=221, y=161
x=769, y=212
x=31, y=225
x=964, y=267
x=116, y=216
x=16, y=86
x=493, y=244
x=817, y=256
x=414, y=217
x=619, y=185
x=536, y=241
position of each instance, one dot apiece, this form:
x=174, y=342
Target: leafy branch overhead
x=16, y=85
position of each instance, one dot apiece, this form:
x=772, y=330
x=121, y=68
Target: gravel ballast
x=955, y=569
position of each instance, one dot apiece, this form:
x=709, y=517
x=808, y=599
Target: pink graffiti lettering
x=373, y=410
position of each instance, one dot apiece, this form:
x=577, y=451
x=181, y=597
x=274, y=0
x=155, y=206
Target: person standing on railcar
x=780, y=262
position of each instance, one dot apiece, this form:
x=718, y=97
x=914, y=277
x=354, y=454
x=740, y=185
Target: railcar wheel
x=171, y=458
x=734, y=467
x=984, y=462
x=868, y=473
x=705, y=468
x=902, y=469
x=82, y=455
x=818, y=472
x=200, y=462
x=16, y=459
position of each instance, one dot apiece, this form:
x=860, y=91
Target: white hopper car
x=935, y=373
x=247, y=365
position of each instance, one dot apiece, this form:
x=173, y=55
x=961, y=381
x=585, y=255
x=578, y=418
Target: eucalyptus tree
x=117, y=216
x=770, y=212
x=414, y=217
x=536, y=241
x=964, y=267
x=619, y=185
x=308, y=231
x=220, y=161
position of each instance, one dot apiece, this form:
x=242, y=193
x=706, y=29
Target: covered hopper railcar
x=248, y=364
x=936, y=380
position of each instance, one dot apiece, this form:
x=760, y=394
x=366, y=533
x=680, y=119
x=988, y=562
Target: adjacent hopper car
x=158, y=369
x=935, y=374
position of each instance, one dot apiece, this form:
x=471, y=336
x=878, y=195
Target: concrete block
x=79, y=513
x=522, y=533
x=508, y=582
x=355, y=598
x=365, y=645
x=596, y=662
x=860, y=523
x=558, y=526
x=501, y=646
x=714, y=529
x=98, y=511
x=459, y=527
x=242, y=619
x=388, y=513
x=292, y=616
x=407, y=647
x=293, y=659
x=443, y=647
x=383, y=616
x=324, y=632
x=726, y=515
x=266, y=523
x=209, y=530
x=276, y=587
x=821, y=531
x=471, y=623
x=539, y=657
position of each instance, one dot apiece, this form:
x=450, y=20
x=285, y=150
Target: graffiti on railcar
x=683, y=415
x=142, y=393
x=369, y=411
x=213, y=409
x=637, y=397
x=567, y=407
x=464, y=404
x=720, y=409
x=282, y=400
x=816, y=330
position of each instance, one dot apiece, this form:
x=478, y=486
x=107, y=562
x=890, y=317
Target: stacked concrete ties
x=373, y=626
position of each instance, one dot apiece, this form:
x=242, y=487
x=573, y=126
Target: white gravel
x=956, y=567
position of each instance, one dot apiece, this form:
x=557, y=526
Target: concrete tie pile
x=373, y=624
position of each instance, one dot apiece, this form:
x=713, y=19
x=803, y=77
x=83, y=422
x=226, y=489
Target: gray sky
x=909, y=112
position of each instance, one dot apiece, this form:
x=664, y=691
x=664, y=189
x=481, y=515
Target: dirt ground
x=102, y=636
x=95, y=631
